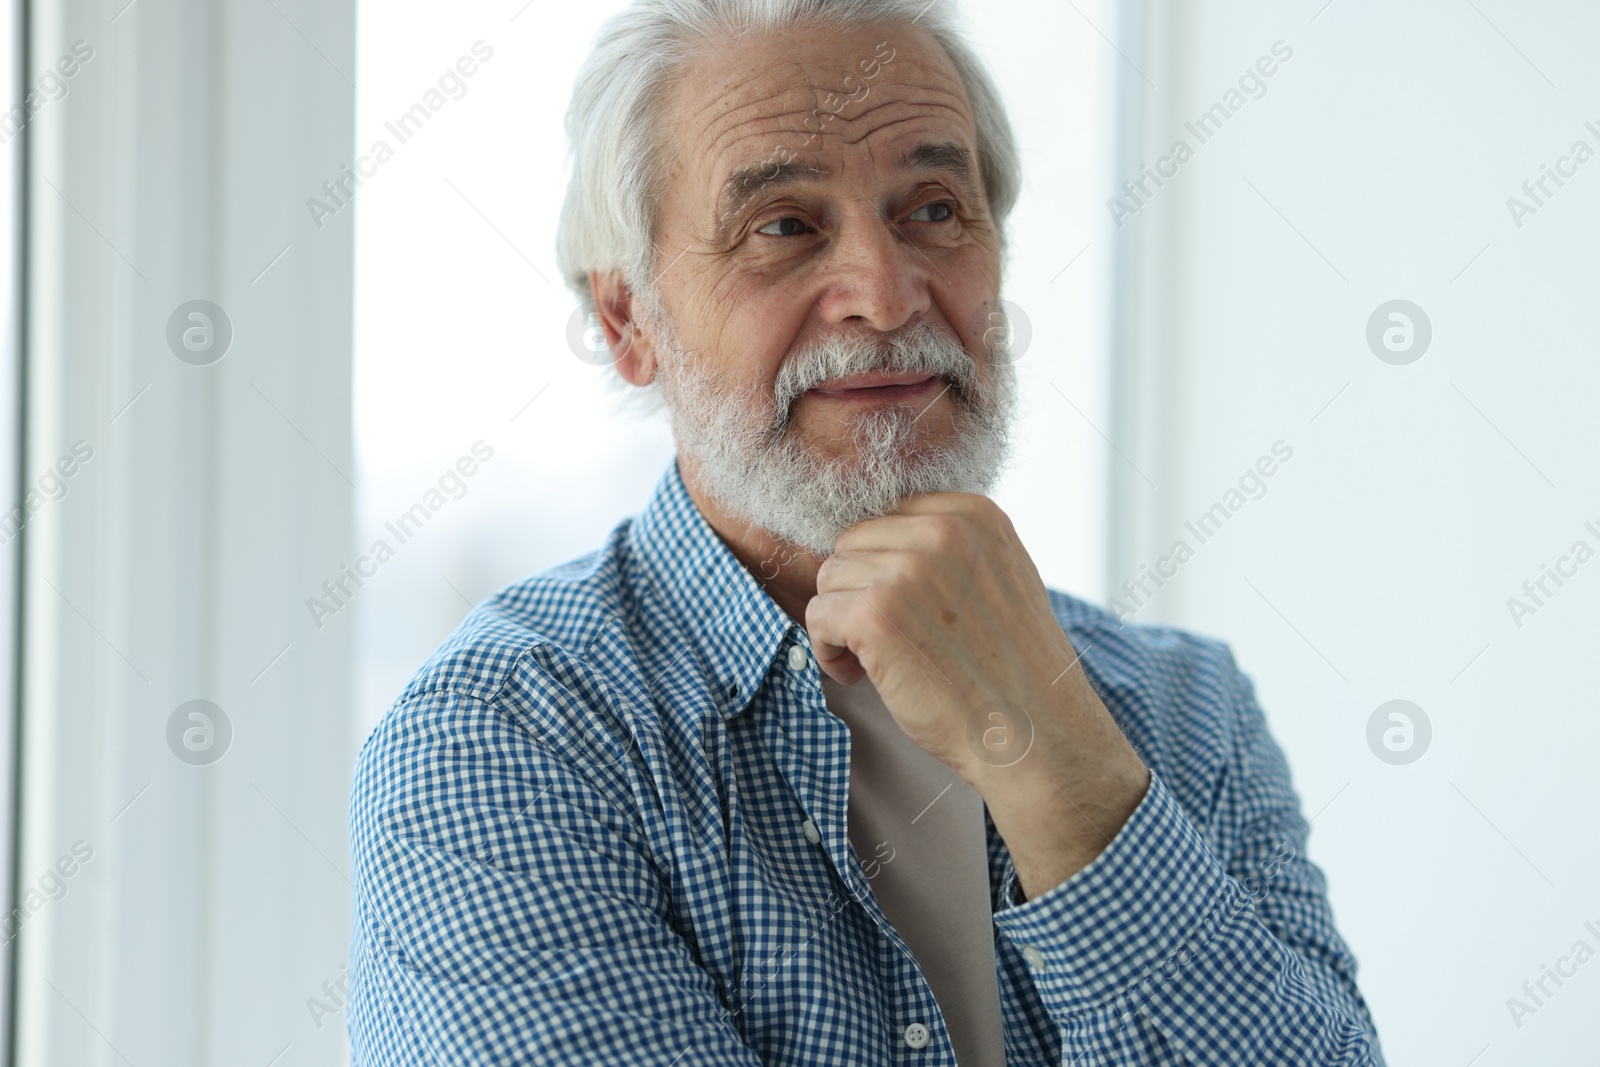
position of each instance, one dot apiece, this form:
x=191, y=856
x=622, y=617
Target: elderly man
x=805, y=764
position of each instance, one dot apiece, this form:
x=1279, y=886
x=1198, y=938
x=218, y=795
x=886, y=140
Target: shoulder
x=1145, y=654
x=563, y=608
x=535, y=672
x=512, y=751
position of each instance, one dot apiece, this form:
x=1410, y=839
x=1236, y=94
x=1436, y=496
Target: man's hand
x=942, y=608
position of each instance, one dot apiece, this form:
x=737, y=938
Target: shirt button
x=1034, y=957
x=798, y=658
x=812, y=833
x=916, y=1035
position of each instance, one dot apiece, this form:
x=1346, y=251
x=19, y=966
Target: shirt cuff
x=1152, y=890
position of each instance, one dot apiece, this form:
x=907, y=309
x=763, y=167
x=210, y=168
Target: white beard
x=751, y=460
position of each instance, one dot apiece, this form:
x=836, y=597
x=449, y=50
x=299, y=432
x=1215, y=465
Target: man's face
x=829, y=274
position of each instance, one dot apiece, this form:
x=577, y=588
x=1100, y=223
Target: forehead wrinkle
x=728, y=127
x=922, y=110
x=771, y=122
x=730, y=93
x=852, y=131
x=970, y=180
x=845, y=140
x=794, y=78
x=799, y=79
x=935, y=90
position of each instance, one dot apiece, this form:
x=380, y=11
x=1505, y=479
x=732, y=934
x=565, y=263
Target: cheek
x=972, y=299
x=756, y=331
x=979, y=325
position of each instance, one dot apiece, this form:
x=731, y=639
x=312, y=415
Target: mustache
x=923, y=348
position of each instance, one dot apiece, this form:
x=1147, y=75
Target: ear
x=633, y=351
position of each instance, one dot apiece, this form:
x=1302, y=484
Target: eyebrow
x=940, y=155
x=748, y=181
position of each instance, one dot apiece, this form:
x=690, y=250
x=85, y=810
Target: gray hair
x=613, y=123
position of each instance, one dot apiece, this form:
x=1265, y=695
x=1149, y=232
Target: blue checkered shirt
x=605, y=824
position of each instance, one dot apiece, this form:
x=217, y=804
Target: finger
x=885, y=531
x=979, y=511
x=926, y=503
x=908, y=522
x=846, y=669
x=856, y=569
x=826, y=624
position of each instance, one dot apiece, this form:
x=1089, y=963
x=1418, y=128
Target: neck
x=788, y=574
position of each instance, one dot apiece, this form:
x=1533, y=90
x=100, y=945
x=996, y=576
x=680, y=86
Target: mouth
x=877, y=387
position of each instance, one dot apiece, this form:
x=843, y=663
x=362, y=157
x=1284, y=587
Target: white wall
x=1378, y=563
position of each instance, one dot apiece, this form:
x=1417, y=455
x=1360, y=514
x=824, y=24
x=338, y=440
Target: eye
x=938, y=205
x=795, y=230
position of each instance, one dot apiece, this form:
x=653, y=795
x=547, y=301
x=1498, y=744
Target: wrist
x=1057, y=828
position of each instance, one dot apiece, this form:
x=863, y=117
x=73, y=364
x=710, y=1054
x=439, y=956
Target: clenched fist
x=939, y=604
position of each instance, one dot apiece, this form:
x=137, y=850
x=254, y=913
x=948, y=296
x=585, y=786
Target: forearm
x=1154, y=942
x=1077, y=780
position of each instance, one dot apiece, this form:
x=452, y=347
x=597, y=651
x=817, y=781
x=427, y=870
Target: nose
x=876, y=276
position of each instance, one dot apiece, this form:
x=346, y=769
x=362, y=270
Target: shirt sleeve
x=507, y=910
x=1165, y=950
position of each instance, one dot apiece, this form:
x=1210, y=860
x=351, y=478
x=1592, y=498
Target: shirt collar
x=736, y=627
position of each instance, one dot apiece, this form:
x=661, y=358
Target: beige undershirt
x=908, y=805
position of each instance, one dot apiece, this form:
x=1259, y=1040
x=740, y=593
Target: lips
x=875, y=384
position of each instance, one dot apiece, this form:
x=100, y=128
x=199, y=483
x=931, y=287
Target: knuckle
x=946, y=529
x=953, y=537
x=906, y=569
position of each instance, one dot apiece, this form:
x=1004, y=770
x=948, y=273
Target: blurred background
x=1308, y=293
